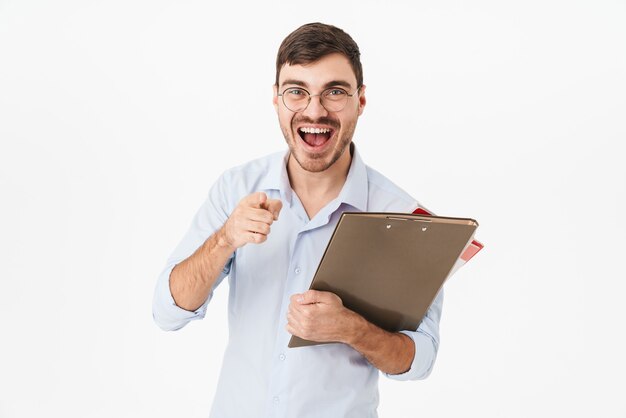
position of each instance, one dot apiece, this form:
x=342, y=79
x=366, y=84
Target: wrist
x=222, y=241
x=357, y=329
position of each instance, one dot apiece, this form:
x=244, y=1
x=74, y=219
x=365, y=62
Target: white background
x=117, y=116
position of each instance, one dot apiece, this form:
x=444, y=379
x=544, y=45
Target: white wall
x=116, y=117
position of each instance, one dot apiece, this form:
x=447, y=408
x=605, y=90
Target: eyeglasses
x=333, y=99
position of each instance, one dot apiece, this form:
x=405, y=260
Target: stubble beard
x=316, y=163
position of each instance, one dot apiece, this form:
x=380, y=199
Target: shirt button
x=297, y=270
x=282, y=356
x=276, y=399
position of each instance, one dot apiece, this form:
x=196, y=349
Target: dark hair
x=313, y=41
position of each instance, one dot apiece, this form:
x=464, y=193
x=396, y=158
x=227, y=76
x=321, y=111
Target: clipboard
x=389, y=267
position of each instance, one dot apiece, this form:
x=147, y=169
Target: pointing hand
x=250, y=221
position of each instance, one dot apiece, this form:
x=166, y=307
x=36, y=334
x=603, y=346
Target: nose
x=315, y=110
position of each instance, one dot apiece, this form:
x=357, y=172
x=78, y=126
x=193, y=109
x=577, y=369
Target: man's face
x=317, y=152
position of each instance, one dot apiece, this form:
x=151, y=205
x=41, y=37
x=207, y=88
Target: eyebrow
x=333, y=83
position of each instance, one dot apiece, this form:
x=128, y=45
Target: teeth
x=315, y=130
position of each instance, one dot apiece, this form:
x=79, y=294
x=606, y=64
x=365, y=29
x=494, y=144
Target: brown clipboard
x=389, y=267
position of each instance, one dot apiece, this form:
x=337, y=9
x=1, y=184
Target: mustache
x=321, y=121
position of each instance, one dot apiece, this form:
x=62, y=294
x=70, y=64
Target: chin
x=316, y=163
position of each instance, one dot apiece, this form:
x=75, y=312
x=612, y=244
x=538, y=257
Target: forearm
x=191, y=280
x=389, y=352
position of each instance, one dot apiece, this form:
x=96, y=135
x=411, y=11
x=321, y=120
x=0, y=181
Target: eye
x=296, y=92
x=335, y=92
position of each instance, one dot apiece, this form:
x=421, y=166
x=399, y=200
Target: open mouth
x=315, y=137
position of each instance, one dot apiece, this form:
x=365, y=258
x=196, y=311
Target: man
x=265, y=224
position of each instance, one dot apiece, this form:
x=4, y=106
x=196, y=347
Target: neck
x=320, y=187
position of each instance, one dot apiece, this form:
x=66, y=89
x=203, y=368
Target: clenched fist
x=320, y=316
x=250, y=221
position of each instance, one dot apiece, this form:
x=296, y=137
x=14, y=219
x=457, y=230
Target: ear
x=275, y=98
x=362, y=100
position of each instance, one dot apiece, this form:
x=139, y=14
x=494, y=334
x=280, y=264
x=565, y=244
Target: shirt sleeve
x=426, y=339
x=210, y=217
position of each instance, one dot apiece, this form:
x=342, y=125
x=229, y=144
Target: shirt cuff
x=167, y=315
x=423, y=360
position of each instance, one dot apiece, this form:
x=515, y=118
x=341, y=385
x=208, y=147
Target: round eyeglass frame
x=321, y=96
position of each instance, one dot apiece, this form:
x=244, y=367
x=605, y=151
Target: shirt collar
x=355, y=190
x=353, y=193
x=276, y=177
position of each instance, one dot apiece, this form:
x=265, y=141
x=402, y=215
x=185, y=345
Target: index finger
x=274, y=206
x=312, y=296
x=255, y=200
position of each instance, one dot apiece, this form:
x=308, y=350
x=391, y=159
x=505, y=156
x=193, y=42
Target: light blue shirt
x=261, y=376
